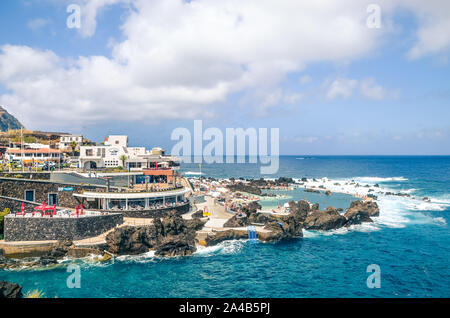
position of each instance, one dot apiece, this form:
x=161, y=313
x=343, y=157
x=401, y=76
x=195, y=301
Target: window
x=52, y=199
x=29, y=195
x=89, y=152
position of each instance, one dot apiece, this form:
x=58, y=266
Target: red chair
x=22, y=210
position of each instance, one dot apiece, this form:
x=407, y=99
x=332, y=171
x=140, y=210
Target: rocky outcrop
x=248, y=216
x=324, y=220
x=128, y=240
x=197, y=215
x=176, y=246
x=10, y=290
x=242, y=187
x=278, y=227
x=360, y=212
x=236, y=221
x=46, y=261
x=8, y=121
x=286, y=228
x=61, y=249
x=220, y=236
x=370, y=207
x=299, y=210
x=169, y=236
x=356, y=217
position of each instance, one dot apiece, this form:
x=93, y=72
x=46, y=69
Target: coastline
x=388, y=231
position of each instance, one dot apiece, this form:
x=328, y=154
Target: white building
x=33, y=155
x=35, y=146
x=114, y=152
x=66, y=141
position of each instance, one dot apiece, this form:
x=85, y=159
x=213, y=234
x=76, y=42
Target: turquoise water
x=338, y=200
x=410, y=242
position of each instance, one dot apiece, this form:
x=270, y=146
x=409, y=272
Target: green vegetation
x=73, y=145
x=123, y=158
x=29, y=139
x=4, y=213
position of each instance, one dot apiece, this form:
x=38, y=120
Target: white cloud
x=89, y=13
x=178, y=59
x=370, y=89
x=433, y=33
x=345, y=88
x=266, y=99
x=341, y=87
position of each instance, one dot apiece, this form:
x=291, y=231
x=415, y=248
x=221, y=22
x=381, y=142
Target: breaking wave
x=395, y=211
x=223, y=248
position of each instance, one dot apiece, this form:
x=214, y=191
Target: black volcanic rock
x=169, y=236
x=299, y=209
x=60, y=249
x=370, y=207
x=324, y=220
x=355, y=216
x=250, y=215
x=176, y=246
x=10, y=290
x=197, y=215
x=244, y=188
x=8, y=121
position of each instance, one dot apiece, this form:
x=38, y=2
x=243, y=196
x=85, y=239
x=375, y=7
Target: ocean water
x=410, y=242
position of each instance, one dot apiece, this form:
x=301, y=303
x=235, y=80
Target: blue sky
x=145, y=69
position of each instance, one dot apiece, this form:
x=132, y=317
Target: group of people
x=141, y=206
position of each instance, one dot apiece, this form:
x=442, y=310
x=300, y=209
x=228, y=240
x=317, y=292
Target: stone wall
x=15, y=188
x=26, y=175
x=15, y=205
x=156, y=213
x=43, y=229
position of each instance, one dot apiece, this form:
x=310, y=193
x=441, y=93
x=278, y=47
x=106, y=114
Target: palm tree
x=73, y=145
x=123, y=158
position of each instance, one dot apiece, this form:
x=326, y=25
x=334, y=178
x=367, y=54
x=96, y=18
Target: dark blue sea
x=410, y=242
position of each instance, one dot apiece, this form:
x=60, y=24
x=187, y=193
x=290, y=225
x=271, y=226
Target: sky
x=324, y=72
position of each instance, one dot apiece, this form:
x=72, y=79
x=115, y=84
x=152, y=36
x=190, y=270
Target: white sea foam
x=141, y=258
x=440, y=220
x=379, y=179
x=424, y=206
x=223, y=248
x=395, y=211
x=193, y=173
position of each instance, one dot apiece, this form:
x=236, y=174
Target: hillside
x=8, y=121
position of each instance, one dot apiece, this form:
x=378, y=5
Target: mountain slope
x=8, y=121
